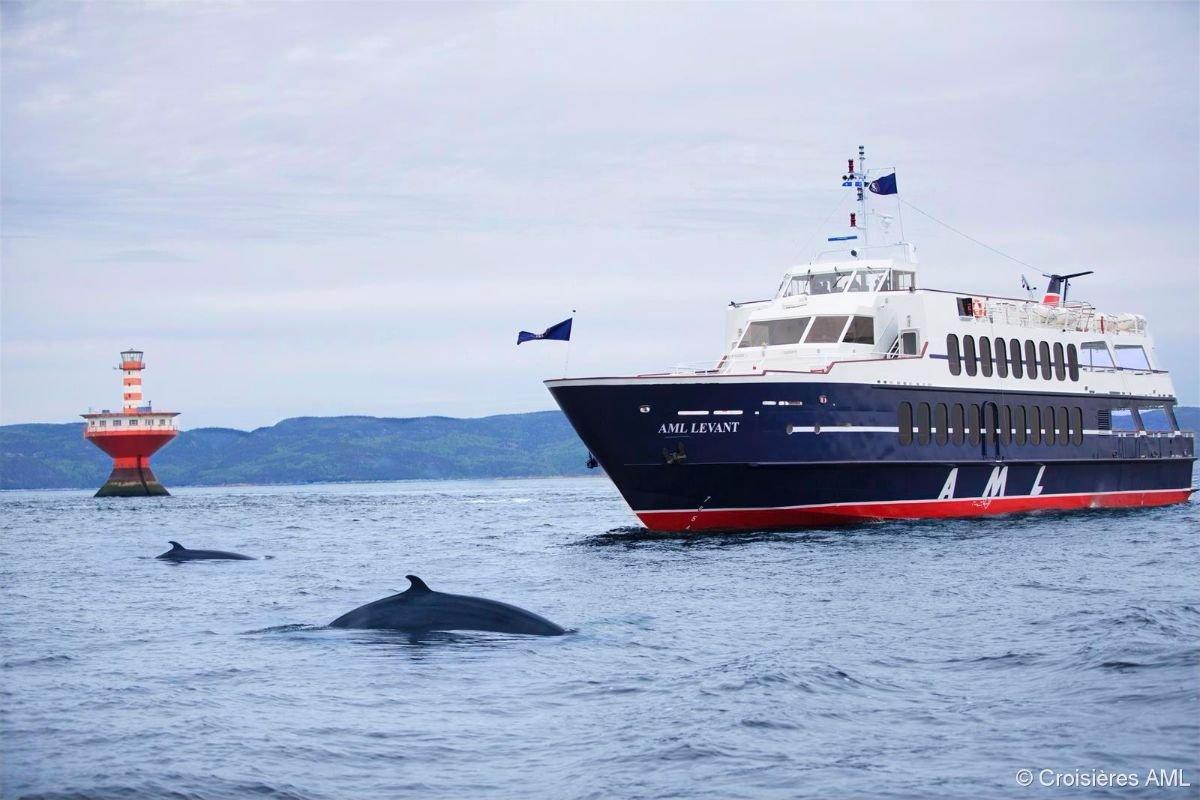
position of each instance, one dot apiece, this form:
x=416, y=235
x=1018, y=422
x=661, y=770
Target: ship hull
x=690, y=456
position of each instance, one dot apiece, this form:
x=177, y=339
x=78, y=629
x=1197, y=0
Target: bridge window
x=985, y=356
x=1156, y=419
x=1076, y=426
x=1014, y=345
x=904, y=418
x=1059, y=367
x=1035, y=425
x=940, y=423
x=861, y=331
x=957, y=424
x=1095, y=355
x=1073, y=362
x=774, y=331
x=1125, y=419
x=1001, y=358
x=1064, y=434
x=922, y=423
x=953, y=355
x=1132, y=356
x=1019, y=421
x=1044, y=359
x=969, y=355
x=826, y=330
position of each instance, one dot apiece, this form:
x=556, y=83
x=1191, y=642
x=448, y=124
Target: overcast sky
x=351, y=208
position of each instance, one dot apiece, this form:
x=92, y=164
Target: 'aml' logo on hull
x=996, y=485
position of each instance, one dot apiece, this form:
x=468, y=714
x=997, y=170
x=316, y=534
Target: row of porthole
x=957, y=423
x=1057, y=363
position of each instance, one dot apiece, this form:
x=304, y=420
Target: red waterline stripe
x=850, y=513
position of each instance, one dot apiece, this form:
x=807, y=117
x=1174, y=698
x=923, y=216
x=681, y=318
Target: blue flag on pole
x=560, y=332
x=884, y=185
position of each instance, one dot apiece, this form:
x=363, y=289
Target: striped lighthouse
x=132, y=435
x=131, y=370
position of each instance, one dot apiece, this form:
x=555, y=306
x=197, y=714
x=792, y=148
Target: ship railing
x=1081, y=317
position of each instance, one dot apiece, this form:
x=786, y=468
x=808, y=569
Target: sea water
x=922, y=659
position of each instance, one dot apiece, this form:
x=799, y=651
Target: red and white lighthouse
x=131, y=435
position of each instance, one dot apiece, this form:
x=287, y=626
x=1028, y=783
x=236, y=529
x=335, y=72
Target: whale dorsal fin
x=176, y=545
x=418, y=586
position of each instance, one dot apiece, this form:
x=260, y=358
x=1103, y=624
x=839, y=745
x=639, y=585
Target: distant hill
x=309, y=450
x=323, y=449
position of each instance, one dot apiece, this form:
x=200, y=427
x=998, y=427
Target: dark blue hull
x=768, y=454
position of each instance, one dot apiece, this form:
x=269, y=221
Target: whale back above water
x=419, y=609
x=180, y=553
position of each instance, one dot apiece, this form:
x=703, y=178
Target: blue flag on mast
x=884, y=185
x=560, y=332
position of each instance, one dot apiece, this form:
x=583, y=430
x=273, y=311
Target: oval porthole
x=644, y=409
x=824, y=399
x=790, y=429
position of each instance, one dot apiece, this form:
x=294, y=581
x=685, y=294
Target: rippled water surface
x=902, y=660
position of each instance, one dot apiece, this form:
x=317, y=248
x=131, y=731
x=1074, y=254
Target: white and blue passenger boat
x=856, y=393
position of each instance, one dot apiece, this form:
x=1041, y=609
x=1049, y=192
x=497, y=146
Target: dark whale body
x=420, y=609
x=180, y=553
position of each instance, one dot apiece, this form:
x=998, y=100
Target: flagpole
x=567, y=358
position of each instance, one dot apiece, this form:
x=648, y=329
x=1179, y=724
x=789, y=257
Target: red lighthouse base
x=130, y=450
x=132, y=477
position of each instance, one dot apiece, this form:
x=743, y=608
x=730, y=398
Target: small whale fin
x=418, y=585
x=176, y=545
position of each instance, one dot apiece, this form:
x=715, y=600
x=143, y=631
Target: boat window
x=1154, y=418
x=1001, y=358
x=825, y=330
x=989, y=424
x=903, y=281
x=1064, y=435
x=1076, y=426
x=1019, y=422
x=1006, y=424
x=826, y=283
x=1044, y=359
x=940, y=423
x=1132, y=356
x=1095, y=355
x=985, y=356
x=774, y=331
x=866, y=280
x=1059, y=367
x=922, y=423
x=1014, y=346
x=1031, y=359
x=904, y=419
x=957, y=424
x=861, y=331
x=969, y=355
x=1073, y=362
x=908, y=343
x=973, y=423
x=1035, y=425
x=953, y=355
x=1048, y=422
x=1124, y=419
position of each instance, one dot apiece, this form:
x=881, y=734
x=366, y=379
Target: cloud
x=314, y=179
